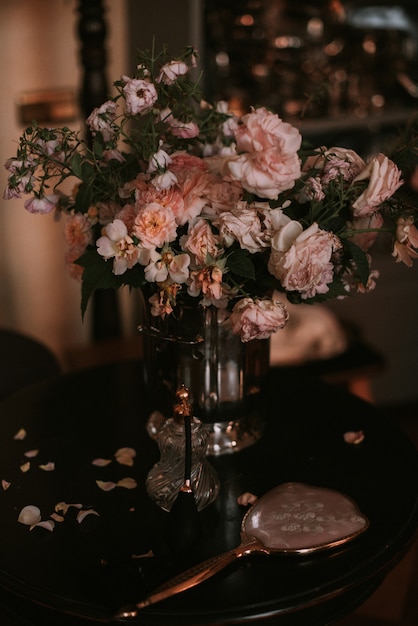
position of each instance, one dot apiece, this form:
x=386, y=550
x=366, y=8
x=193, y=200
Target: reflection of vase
x=196, y=347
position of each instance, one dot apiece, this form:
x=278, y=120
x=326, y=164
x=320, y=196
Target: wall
x=39, y=49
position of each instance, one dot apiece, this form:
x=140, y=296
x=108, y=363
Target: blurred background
x=345, y=72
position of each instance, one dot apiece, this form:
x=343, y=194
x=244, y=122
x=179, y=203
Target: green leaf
x=98, y=274
x=84, y=198
x=239, y=262
x=76, y=165
x=360, y=259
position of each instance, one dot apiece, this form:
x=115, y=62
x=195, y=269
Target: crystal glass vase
x=195, y=346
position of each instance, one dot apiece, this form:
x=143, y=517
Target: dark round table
x=81, y=573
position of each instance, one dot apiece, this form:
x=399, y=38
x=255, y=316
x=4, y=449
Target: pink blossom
x=101, y=118
x=140, y=95
x=201, y=241
x=384, y=179
x=306, y=266
x=117, y=244
x=334, y=162
x=208, y=281
x=165, y=180
x=171, y=71
x=193, y=189
x=160, y=160
x=312, y=190
x=257, y=319
x=42, y=205
x=405, y=246
x=179, y=128
x=113, y=155
x=223, y=194
x=77, y=231
x=270, y=163
x=127, y=214
x=155, y=225
x=183, y=162
x=370, y=224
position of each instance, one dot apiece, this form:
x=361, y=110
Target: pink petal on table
x=354, y=437
x=29, y=515
x=20, y=435
x=30, y=454
x=5, y=484
x=25, y=467
x=125, y=456
x=81, y=515
x=47, y=467
x=246, y=498
x=105, y=486
x=63, y=507
x=127, y=483
x=101, y=462
x=48, y=524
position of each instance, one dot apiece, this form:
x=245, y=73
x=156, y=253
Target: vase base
x=233, y=436
x=224, y=437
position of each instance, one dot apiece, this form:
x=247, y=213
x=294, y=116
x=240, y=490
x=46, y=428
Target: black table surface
x=82, y=574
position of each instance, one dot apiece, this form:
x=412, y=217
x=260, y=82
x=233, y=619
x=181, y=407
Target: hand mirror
x=291, y=518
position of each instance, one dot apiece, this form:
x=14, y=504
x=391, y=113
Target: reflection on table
x=81, y=573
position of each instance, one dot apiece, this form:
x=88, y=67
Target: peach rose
x=200, y=241
x=155, y=225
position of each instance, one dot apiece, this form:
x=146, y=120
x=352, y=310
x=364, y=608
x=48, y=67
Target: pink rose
x=384, y=179
x=306, y=266
x=257, y=319
x=269, y=161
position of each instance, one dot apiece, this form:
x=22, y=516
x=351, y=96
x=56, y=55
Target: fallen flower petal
x=354, y=437
x=5, y=484
x=105, y=486
x=147, y=555
x=57, y=518
x=247, y=498
x=83, y=514
x=63, y=507
x=127, y=483
x=125, y=456
x=48, y=524
x=29, y=515
x=101, y=462
x=30, y=454
x=47, y=467
x=25, y=467
x=20, y=435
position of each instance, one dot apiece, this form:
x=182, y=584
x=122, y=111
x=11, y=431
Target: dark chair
x=23, y=360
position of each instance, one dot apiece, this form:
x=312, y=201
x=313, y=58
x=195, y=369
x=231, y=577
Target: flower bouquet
x=192, y=204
